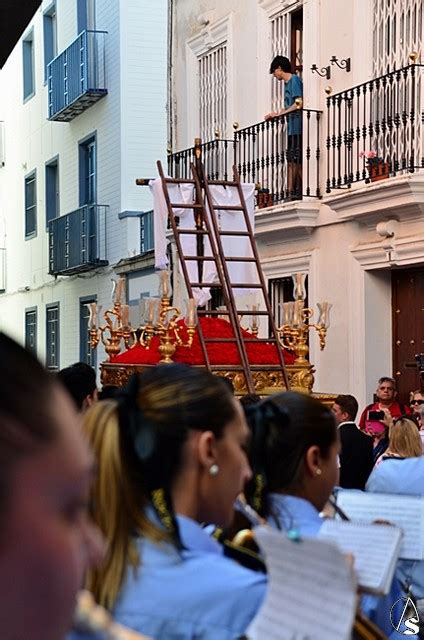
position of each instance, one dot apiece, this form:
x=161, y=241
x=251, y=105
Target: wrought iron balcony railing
x=217, y=157
x=385, y=116
x=77, y=241
x=76, y=78
x=282, y=155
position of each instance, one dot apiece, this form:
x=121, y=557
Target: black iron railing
x=217, y=158
x=282, y=155
x=384, y=116
x=77, y=240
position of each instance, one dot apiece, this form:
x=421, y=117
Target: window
x=88, y=171
x=213, y=93
x=397, y=31
x=52, y=336
x=286, y=40
x=52, y=190
x=87, y=353
x=86, y=15
x=50, y=36
x=146, y=231
x=28, y=65
x=31, y=329
x=31, y=205
x=281, y=290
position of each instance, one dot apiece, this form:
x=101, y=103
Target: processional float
x=212, y=225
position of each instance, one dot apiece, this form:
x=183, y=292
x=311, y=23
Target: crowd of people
x=131, y=492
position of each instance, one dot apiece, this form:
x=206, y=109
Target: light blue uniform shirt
x=193, y=593
x=290, y=512
x=402, y=477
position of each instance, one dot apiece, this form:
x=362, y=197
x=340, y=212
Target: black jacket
x=356, y=456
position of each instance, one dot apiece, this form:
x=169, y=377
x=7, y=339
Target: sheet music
x=374, y=547
x=406, y=512
x=311, y=593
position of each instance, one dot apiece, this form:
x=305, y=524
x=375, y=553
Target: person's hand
x=387, y=420
x=270, y=116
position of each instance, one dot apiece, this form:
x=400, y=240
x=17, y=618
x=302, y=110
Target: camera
x=419, y=358
x=376, y=415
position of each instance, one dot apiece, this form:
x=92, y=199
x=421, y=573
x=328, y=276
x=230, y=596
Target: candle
x=288, y=308
x=324, y=314
x=299, y=290
x=92, y=320
x=191, y=318
x=255, y=308
x=152, y=309
x=298, y=313
x=165, y=284
x=125, y=314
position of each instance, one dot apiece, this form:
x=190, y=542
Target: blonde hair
x=115, y=508
x=404, y=438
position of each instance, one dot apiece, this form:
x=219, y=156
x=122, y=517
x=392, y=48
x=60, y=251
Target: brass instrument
x=91, y=618
x=363, y=628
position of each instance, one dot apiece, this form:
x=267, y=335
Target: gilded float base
x=267, y=380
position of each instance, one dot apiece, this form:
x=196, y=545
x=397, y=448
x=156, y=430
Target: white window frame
x=209, y=38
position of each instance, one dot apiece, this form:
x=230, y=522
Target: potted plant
x=378, y=168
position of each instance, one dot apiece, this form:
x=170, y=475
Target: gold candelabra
x=295, y=327
x=158, y=319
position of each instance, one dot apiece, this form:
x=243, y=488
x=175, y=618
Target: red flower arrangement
x=220, y=353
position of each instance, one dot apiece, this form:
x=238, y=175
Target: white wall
x=130, y=127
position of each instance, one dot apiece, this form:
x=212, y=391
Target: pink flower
x=367, y=154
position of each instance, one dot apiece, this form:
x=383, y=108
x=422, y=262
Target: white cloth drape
x=227, y=221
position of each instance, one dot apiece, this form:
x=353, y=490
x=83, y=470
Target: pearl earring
x=213, y=470
x=318, y=472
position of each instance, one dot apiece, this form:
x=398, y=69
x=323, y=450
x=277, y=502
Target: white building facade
x=360, y=242
x=74, y=136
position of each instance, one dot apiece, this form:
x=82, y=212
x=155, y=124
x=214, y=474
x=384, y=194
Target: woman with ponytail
x=171, y=454
x=295, y=447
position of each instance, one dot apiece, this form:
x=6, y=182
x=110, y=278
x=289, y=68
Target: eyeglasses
x=417, y=402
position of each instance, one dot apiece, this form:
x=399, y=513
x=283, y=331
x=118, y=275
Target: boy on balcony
x=281, y=69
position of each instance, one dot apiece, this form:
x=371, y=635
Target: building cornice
x=402, y=195
x=283, y=222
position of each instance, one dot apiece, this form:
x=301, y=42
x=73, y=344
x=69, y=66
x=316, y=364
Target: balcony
x=76, y=77
x=217, y=158
x=77, y=241
x=285, y=165
x=383, y=115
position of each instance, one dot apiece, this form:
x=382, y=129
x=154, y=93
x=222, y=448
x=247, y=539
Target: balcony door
x=88, y=197
x=408, y=327
x=286, y=40
x=86, y=15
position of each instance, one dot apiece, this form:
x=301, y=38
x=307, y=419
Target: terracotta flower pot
x=378, y=171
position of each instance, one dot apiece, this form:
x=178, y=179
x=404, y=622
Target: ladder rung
x=200, y=258
x=192, y=232
x=228, y=207
x=244, y=234
x=214, y=285
x=212, y=259
x=222, y=183
x=184, y=205
x=179, y=181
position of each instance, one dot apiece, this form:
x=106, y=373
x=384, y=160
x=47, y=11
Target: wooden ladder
x=207, y=226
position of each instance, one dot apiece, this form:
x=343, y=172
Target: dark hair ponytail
x=157, y=412
x=283, y=428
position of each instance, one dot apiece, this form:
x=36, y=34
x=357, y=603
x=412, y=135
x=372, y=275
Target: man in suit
x=356, y=456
